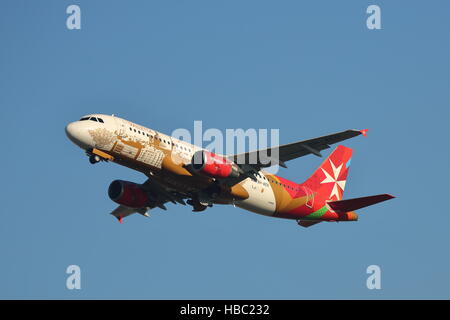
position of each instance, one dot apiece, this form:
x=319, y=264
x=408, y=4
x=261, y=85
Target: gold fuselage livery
x=180, y=172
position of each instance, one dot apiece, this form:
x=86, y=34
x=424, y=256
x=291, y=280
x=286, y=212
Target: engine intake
x=128, y=194
x=212, y=165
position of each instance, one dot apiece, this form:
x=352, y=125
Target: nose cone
x=78, y=133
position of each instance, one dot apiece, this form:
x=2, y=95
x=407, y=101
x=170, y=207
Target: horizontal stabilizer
x=342, y=206
x=306, y=223
x=122, y=211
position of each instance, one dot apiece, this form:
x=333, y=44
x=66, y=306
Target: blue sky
x=308, y=68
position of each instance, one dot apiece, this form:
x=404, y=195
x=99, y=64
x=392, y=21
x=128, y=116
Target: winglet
x=364, y=132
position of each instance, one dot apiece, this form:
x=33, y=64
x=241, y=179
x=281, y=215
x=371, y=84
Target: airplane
x=182, y=173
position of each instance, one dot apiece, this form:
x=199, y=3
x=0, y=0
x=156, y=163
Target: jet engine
x=128, y=194
x=210, y=164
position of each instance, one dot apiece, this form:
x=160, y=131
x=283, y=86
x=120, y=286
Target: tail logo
x=338, y=184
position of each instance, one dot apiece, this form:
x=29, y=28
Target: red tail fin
x=328, y=181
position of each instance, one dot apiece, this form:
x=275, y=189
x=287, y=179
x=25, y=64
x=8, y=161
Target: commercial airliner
x=183, y=173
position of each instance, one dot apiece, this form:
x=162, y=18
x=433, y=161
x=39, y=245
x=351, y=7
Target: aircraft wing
x=252, y=162
x=294, y=150
x=160, y=196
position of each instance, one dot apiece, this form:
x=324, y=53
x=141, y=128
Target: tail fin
x=328, y=181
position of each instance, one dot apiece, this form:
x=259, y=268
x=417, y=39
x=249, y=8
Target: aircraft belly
x=261, y=199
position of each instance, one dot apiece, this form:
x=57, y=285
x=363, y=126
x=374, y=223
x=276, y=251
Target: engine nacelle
x=128, y=194
x=212, y=165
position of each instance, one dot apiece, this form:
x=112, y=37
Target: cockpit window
x=92, y=119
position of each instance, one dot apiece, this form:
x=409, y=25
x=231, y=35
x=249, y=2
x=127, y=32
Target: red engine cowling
x=128, y=194
x=212, y=165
